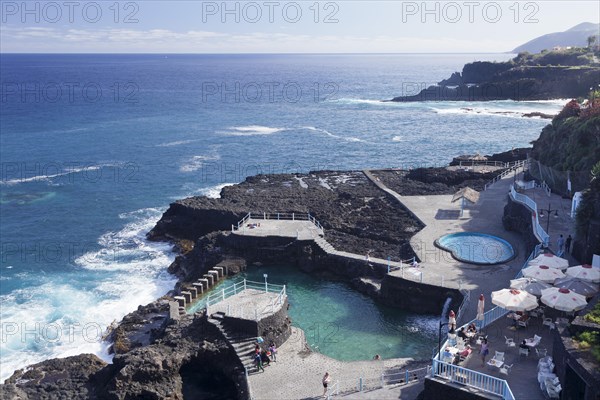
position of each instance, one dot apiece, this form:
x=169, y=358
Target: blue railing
x=464, y=376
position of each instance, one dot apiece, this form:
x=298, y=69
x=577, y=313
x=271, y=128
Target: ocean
x=95, y=147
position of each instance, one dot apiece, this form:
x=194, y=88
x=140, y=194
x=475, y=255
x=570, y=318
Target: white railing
x=406, y=377
x=403, y=263
x=475, y=379
x=546, y=188
x=538, y=231
x=511, y=168
x=465, y=302
x=278, y=217
x=334, y=390
x=221, y=294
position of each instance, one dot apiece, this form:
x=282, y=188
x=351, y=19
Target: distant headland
x=560, y=73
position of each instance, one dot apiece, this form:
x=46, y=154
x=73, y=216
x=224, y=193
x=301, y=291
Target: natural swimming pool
x=343, y=323
x=477, y=248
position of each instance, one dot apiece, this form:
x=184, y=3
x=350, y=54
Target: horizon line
x=257, y=53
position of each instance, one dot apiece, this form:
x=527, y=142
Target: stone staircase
x=243, y=345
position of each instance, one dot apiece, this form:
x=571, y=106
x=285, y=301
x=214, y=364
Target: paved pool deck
x=442, y=217
x=297, y=374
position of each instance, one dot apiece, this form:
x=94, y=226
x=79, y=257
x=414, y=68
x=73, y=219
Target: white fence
x=538, y=231
x=244, y=312
x=512, y=167
x=277, y=217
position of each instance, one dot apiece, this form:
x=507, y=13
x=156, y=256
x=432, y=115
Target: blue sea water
x=95, y=147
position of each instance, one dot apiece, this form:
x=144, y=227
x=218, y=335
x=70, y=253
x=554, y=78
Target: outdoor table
x=452, y=350
x=530, y=343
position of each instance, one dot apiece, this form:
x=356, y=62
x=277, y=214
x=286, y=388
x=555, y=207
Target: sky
x=343, y=26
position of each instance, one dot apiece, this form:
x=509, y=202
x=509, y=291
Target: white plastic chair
x=548, y=322
x=523, y=323
x=523, y=352
x=541, y=352
x=510, y=342
x=505, y=369
x=499, y=356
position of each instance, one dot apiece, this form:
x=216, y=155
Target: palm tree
x=591, y=40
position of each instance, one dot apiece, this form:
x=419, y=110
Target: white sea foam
x=177, y=143
x=500, y=108
x=48, y=177
x=196, y=162
x=252, y=130
x=213, y=192
x=326, y=132
x=67, y=316
x=351, y=101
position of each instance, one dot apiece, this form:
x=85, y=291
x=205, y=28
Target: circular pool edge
x=467, y=261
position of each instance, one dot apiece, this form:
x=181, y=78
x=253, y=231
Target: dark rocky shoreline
x=161, y=357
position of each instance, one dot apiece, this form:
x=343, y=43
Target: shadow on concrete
x=447, y=214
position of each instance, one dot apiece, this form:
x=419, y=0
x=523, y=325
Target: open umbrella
x=529, y=285
x=550, y=260
x=563, y=299
x=584, y=288
x=514, y=300
x=543, y=273
x=585, y=272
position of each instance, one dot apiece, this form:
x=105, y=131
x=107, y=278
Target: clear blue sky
x=283, y=26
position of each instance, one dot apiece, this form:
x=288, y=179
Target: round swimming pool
x=477, y=248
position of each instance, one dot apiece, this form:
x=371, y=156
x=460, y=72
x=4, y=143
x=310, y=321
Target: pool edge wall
x=420, y=298
x=417, y=297
x=464, y=260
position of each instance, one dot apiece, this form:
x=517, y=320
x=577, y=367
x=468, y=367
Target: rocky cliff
x=186, y=358
x=551, y=75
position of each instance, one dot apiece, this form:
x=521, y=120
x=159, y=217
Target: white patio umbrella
x=514, y=300
x=563, y=299
x=584, y=288
x=529, y=285
x=585, y=272
x=543, y=273
x=550, y=260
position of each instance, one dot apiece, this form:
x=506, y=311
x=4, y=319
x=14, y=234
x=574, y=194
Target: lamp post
x=266, y=287
x=549, y=211
x=442, y=324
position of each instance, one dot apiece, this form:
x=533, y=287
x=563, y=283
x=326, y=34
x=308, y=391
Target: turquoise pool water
x=344, y=324
x=477, y=248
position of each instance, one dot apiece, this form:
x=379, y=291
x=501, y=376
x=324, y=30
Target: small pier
x=194, y=291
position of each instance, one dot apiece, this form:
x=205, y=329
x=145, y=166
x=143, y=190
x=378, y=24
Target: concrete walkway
x=441, y=217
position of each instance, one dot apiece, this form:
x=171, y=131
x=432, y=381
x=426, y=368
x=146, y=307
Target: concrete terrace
x=249, y=303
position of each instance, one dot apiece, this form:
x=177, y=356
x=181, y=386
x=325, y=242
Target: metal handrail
x=515, y=165
x=476, y=379
x=538, y=231
x=279, y=217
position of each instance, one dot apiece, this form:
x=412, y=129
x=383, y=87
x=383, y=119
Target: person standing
x=568, y=244
x=484, y=351
x=326, y=380
x=273, y=350
x=258, y=361
x=561, y=245
x=452, y=320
